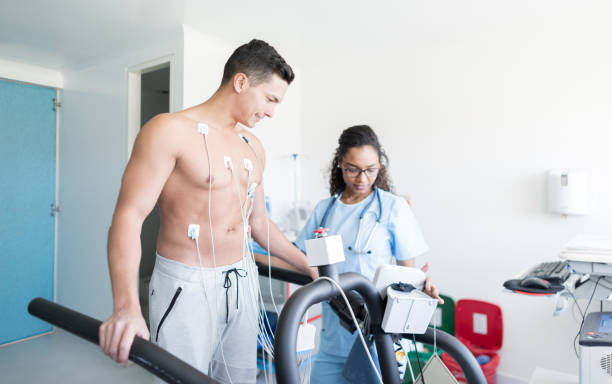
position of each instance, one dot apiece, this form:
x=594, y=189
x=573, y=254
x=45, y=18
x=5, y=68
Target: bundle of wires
x=265, y=338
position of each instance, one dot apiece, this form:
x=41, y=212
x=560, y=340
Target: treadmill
x=173, y=370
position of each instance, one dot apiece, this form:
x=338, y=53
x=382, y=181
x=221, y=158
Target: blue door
x=27, y=192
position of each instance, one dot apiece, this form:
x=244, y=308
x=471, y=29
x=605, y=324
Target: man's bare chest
x=221, y=160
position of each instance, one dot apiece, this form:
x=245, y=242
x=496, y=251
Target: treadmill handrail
x=154, y=359
x=320, y=290
x=283, y=274
x=466, y=360
x=451, y=345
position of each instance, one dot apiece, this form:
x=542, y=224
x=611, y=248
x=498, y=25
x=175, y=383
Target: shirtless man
x=206, y=316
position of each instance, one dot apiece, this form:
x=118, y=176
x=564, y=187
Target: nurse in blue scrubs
x=376, y=227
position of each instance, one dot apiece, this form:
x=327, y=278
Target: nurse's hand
x=429, y=288
x=425, y=268
x=314, y=273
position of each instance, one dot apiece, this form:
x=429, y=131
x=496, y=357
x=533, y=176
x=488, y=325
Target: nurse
x=376, y=226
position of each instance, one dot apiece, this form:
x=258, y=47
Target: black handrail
x=283, y=274
x=449, y=344
x=159, y=362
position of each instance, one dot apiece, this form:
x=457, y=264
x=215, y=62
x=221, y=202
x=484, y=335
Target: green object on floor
x=444, y=316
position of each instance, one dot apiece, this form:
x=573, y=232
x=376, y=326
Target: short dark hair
x=258, y=60
x=358, y=136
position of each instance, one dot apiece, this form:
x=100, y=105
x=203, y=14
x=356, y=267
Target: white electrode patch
x=203, y=128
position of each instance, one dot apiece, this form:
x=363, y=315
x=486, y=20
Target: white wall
x=93, y=155
x=203, y=66
x=205, y=56
x=474, y=101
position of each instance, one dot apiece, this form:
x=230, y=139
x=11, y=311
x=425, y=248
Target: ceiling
x=68, y=33
x=71, y=34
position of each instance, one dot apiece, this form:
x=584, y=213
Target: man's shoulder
x=165, y=133
x=165, y=121
x=167, y=126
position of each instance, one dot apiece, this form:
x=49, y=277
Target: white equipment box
x=324, y=250
x=596, y=348
x=388, y=274
x=408, y=312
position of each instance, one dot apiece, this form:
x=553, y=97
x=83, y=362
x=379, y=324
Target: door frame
x=134, y=74
x=134, y=83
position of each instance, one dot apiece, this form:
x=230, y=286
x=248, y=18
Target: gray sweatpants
x=207, y=316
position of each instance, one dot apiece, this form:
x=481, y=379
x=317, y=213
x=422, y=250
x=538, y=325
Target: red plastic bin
x=475, y=340
x=489, y=369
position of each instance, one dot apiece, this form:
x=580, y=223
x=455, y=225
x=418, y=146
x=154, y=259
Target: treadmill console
x=597, y=330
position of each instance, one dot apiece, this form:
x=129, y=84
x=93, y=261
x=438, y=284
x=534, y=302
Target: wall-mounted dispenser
x=567, y=192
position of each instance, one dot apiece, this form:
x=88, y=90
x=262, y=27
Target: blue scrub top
x=397, y=236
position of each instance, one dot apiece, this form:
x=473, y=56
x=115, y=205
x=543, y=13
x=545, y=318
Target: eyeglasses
x=355, y=172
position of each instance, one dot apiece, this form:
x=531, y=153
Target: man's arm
x=261, y=224
x=275, y=262
x=150, y=165
x=279, y=245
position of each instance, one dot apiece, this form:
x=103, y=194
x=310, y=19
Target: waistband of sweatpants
x=193, y=274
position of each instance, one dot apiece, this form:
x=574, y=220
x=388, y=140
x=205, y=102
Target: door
x=27, y=194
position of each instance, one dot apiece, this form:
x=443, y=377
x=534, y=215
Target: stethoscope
x=361, y=216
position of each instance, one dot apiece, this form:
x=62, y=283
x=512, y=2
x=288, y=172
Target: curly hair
x=358, y=136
